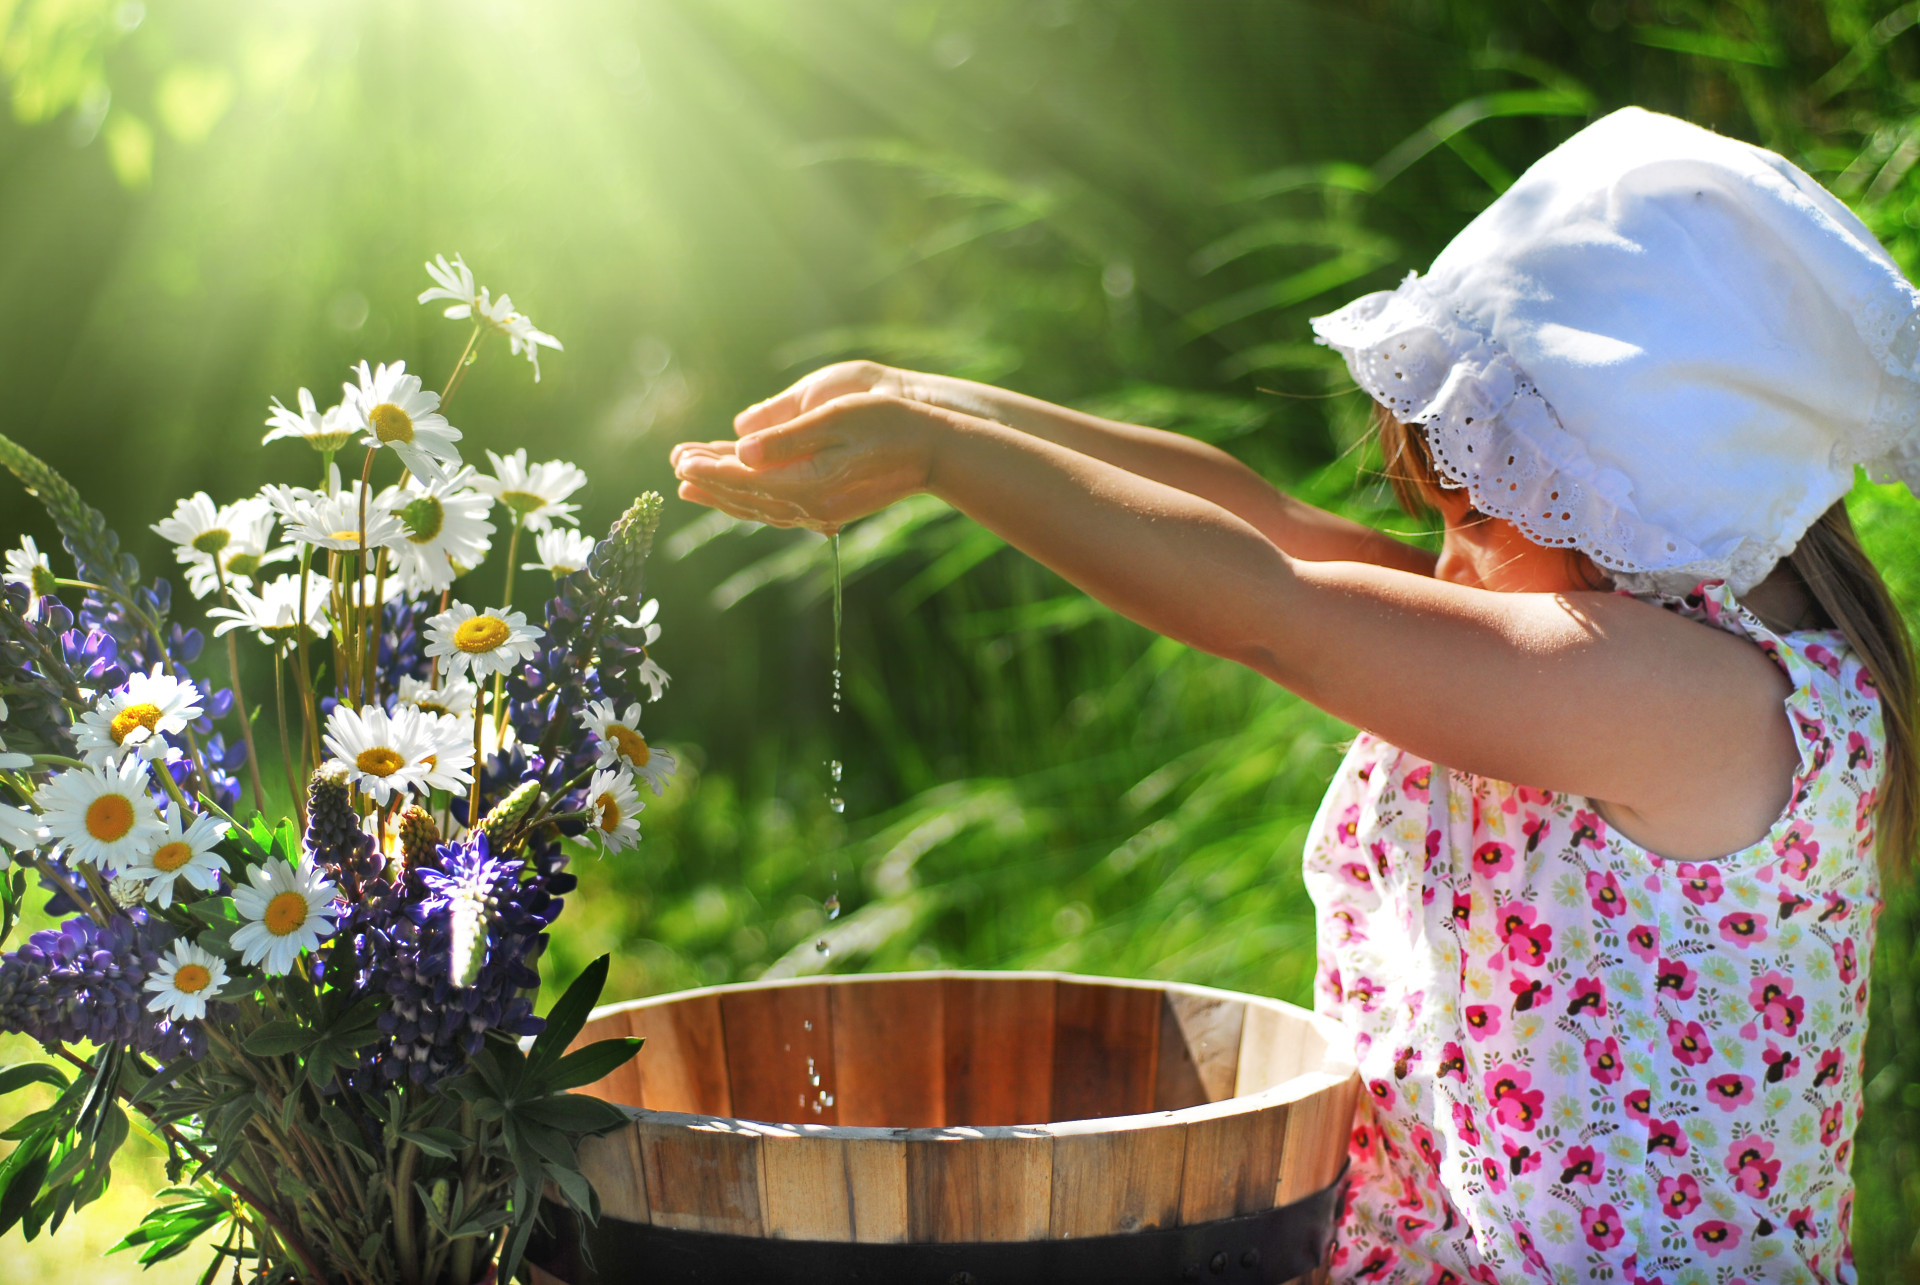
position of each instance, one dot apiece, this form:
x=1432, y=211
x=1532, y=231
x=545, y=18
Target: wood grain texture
x=1319, y=1125
x=998, y=1050
x=613, y=1163
x=1115, y=1176
x=967, y=1184
x=703, y=1174
x=1199, y=1048
x=1233, y=1160
x=889, y=1053
x=1106, y=1042
x=683, y=1065
x=1274, y=1047
x=824, y=1183
x=778, y=1038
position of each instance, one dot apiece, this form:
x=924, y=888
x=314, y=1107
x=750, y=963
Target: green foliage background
x=1128, y=205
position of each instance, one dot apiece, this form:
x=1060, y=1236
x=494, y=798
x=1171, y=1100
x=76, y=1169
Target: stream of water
x=834, y=769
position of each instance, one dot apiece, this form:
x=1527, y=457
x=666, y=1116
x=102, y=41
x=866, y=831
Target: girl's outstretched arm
x=1174, y=459
x=1589, y=693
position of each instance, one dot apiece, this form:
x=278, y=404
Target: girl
x=1596, y=883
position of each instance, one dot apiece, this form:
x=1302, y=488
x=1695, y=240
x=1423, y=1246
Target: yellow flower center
x=110, y=817
x=142, y=715
x=523, y=502
x=632, y=745
x=379, y=761
x=172, y=856
x=432, y=707
x=482, y=633
x=191, y=979
x=285, y=913
x=390, y=423
x=346, y=535
x=609, y=812
x=212, y=541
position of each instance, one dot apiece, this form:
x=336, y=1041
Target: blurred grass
x=1124, y=205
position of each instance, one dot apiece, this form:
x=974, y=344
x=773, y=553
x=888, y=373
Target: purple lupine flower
x=84, y=981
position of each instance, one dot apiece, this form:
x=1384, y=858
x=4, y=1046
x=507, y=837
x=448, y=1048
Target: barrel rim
x=1338, y=1065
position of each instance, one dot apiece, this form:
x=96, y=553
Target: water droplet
x=837, y=803
x=832, y=905
x=814, y=1080
x=822, y=946
x=835, y=768
x=808, y=1023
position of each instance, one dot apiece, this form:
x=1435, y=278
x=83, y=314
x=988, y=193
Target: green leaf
x=25, y=1073
x=571, y=1113
x=577, y=1190
x=594, y=1062
x=20, y=1177
x=568, y=1015
x=443, y=1143
x=278, y=1037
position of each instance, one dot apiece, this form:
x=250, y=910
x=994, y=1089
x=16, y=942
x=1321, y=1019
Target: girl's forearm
x=1183, y=463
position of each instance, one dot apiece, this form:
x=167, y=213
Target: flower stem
x=473, y=798
x=459, y=368
x=246, y=720
x=286, y=752
x=357, y=600
x=405, y=1245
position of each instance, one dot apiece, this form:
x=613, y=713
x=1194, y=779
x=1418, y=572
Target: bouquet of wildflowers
x=324, y=1011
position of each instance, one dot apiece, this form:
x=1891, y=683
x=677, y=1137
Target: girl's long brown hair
x=1849, y=596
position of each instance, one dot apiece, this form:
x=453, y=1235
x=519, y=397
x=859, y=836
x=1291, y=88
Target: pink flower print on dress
x=1780, y=1009
x=1644, y=941
x=1715, y=1238
x=1846, y=961
x=1730, y=1091
x=1366, y=993
x=1639, y=1105
x=1666, y=1136
x=1674, y=978
x=1602, y=1227
x=1496, y=1181
x=1583, y=1165
x=1453, y=1061
x=1347, y=931
x=1743, y=929
x=1801, y=1220
x=1589, y=997
x=1832, y=1121
x=1492, y=858
x=1859, y=753
x=1520, y=1159
x=1529, y=993
x=1425, y=1148
x=1589, y=830
x=1349, y=827
x=1865, y=810
x=1679, y=1195
x=1360, y=1146
x=1699, y=884
x=1378, y=851
x=1689, y=1042
x=1357, y=873
x=1376, y=1265
x=1798, y=850
x=1536, y=828
x=1515, y=1104
x=1417, y=783
x=1824, y=658
x=1527, y=941
x=1755, y=1171
x=1383, y=1094
x=1829, y=1070
x=1464, y=1125
x=1483, y=1020
x=1603, y=890
x=1410, y=1227
x=1603, y=1060
x=1791, y=904
x=1834, y=909
x=1462, y=909
x=1781, y=1064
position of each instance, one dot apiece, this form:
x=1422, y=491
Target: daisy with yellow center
x=272, y=611
x=562, y=552
x=325, y=432
x=613, y=808
x=184, y=852
x=621, y=745
x=392, y=409
x=28, y=567
x=286, y=912
x=382, y=754
x=134, y=718
x=488, y=643
x=333, y=521
x=187, y=978
x=102, y=815
x=447, y=530
x=453, y=698
x=535, y=493
x=450, y=748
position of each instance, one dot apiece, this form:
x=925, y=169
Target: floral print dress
x=1587, y=1062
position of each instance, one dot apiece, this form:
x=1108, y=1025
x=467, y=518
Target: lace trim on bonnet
x=1489, y=430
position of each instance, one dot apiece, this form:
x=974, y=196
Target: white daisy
x=562, y=551
x=649, y=673
x=201, y=531
x=27, y=566
x=653, y=676
x=447, y=532
x=536, y=493
x=325, y=432
x=274, y=610
x=392, y=409
x=450, y=755
x=615, y=806
x=288, y=912
x=454, y=283
x=620, y=743
x=246, y=552
x=102, y=814
x=135, y=716
x=184, y=853
x=187, y=978
x=333, y=521
x=493, y=642
x=20, y=831
x=380, y=753
x=454, y=697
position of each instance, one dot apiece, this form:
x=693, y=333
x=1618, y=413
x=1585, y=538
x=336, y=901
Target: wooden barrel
x=1023, y=1125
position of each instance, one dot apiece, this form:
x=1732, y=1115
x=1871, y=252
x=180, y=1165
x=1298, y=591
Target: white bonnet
x=1664, y=348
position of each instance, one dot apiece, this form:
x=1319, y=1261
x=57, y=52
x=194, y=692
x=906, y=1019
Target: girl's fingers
x=814, y=390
